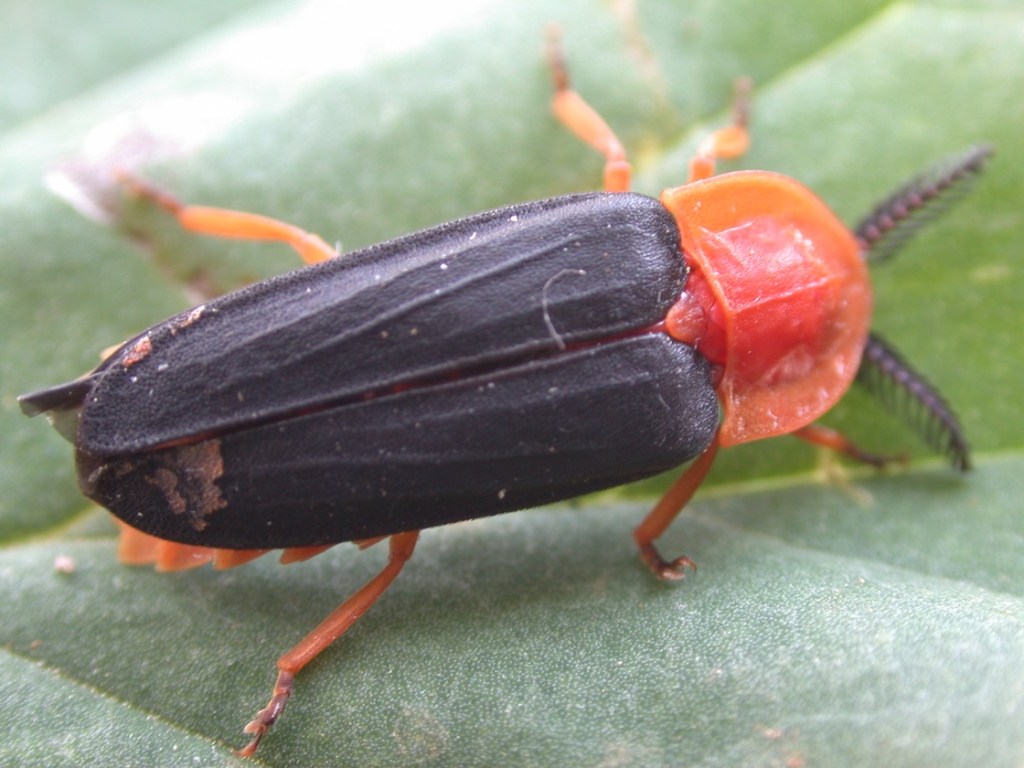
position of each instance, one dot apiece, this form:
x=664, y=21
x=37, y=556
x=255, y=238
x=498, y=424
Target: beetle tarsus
x=663, y=569
x=267, y=716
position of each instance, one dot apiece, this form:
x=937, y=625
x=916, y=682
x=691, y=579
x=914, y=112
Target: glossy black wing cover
x=543, y=431
x=488, y=364
x=480, y=292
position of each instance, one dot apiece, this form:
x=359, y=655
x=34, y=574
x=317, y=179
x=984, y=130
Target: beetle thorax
x=778, y=298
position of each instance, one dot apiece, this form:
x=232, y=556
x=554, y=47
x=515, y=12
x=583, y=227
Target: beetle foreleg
x=329, y=630
x=840, y=443
x=726, y=143
x=665, y=511
x=221, y=222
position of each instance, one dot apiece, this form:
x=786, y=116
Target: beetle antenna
x=887, y=376
x=896, y=219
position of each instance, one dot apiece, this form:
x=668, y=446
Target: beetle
x=512, y=358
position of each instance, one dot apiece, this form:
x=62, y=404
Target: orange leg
x=665, y=511
x=579, y=117
x=329, y=630
x=838, y=442
x=729, y=142
x=221, y=222
x=583, y=120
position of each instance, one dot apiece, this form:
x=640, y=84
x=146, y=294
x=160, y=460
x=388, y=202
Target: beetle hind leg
x=222, y=222
x=816, y=434
x=329, y=630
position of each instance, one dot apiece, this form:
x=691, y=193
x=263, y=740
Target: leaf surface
x=877, y=622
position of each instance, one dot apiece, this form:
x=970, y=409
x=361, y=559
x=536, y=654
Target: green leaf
x=880, y=622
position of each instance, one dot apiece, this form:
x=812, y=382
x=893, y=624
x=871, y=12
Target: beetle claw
x=676, y=570
x=663, y=569
x=250, y=749
x=267, y=716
